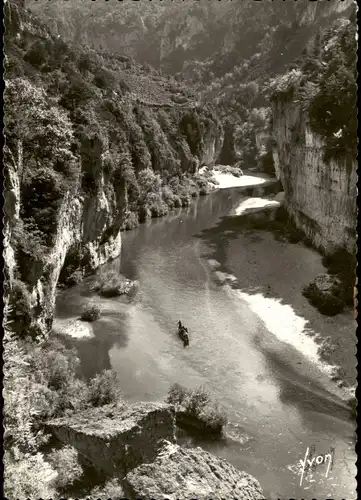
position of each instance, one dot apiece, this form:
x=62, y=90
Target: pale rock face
x=191, y=27
x=182, y=474
x=11, y=215
x=212, y=147
x=80, y=221
x=320, y=197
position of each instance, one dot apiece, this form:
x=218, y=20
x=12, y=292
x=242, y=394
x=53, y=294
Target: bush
x=28, y=477
x=198, y=404
x=112, y=489
x=176, y=394
x=104, y=388
x=65, y=462
x=91, y=313
x=111, y=284
x=21, y=305
x=155, y=204
x=172, y=200
x=327, y=303
x=131, y=221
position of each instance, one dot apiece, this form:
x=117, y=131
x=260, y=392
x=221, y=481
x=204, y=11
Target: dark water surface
x=278, y=400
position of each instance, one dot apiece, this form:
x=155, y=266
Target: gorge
x=98, y=141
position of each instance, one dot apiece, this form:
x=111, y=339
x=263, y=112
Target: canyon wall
x=171, y=36
x=314, y=129
x=93, y=146
x=320, y=196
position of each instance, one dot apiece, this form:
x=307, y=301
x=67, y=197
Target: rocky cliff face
x=168, y=36
x=190, y=473
x=91, y=145
x=137, y=445
x=320, y=196
x=314, y=132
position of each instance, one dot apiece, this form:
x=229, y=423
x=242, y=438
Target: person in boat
x=182, y=328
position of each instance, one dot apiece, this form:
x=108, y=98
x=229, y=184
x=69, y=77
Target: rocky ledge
x=137, y=445
x=187, y=474
x=116, y=439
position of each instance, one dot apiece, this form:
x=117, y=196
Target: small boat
x=183, y=334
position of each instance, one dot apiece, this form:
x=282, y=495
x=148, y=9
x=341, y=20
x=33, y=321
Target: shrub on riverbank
x=112, y=284
x=158, y=196
x=197, y=406
x=104, y=388
x=326, y=297
x=90, y=313
x=229, y=169
x=332, y=297
x=65, y=462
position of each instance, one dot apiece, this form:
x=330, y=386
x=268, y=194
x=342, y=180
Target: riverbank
x=332, y=338
x=223, y=177
x=336, y=346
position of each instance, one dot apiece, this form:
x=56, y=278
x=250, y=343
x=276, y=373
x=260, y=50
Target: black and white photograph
x=180, y=249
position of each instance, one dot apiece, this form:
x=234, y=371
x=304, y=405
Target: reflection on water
x=277, y=399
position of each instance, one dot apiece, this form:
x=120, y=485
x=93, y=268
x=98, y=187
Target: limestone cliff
x=320, y=196
x=93, y=145
x=171, y=35
x=314, y=132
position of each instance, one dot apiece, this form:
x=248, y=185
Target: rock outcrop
x=320, y=196
x=136, y=444
x=326, y=293
x=186, y=474
x=118, y=439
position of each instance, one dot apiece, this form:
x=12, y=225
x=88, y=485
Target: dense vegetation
x=323, y=82
x=82, y=124
x=198, y=406
x=43, y=382
x=229, y=52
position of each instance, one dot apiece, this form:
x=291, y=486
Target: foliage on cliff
x=323, y=83
x=220, y=47
x=86, y=125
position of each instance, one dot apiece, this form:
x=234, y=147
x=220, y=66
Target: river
x=239, y=293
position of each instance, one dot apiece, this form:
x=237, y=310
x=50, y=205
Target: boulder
x=117, y=439
x=185, y=474
x=325, y=292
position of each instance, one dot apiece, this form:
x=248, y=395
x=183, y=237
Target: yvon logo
x=312, y=461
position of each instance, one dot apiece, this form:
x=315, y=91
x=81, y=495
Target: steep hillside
x=94, y=144
x=228, y=50
x=179, y=36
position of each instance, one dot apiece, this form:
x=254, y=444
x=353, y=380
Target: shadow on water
x=107, y=332
x=94, y=352
x=307, y=396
